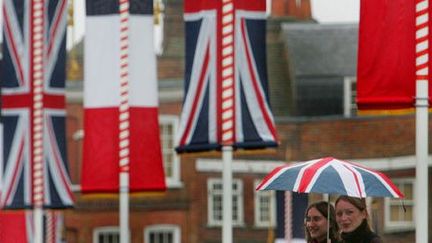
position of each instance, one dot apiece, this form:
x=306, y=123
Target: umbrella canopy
x=331, y=176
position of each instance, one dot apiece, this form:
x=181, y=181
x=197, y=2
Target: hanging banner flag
x=33, y=106
x=386, y=70
x=100, y=170
x=227, y=101
x=17, y=226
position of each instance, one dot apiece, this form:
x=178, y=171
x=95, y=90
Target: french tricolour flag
x=100, y=171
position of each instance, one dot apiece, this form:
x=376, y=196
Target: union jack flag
x=226, y=100
x=18, y=105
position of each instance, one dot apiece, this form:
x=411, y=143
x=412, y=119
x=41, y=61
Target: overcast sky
x=325, y=11
x=330, y=11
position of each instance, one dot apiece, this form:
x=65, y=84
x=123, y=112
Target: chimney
x=299, y=9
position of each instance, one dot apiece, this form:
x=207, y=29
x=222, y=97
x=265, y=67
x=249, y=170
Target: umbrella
x=330, y=176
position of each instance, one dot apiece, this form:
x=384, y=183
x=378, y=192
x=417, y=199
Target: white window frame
x=392, y=226
x=269, y=194
x=105, y=229
x=172, y=228
x=349, y=97
x=174, y=180
x=239, y=194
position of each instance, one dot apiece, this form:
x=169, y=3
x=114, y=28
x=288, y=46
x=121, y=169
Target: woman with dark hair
x=316, y=223
x=352, y=219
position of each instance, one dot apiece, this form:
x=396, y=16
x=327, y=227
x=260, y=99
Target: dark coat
x=361, y=235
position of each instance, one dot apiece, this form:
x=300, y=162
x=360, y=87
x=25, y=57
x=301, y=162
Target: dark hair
x=324, y=208
x=359, y=203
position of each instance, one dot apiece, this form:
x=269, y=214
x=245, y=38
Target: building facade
x=190, y=211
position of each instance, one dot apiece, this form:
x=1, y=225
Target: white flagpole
x=38, y=224
x=228, y=87
x=124, y=122
x=124, y=207
x=421, y=192
x=422, y=105
x=227, y=194
x=38, y=178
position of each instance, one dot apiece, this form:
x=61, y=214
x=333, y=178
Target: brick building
x=190, y=210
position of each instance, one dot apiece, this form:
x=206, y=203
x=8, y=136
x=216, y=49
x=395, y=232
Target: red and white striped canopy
x=331, y=176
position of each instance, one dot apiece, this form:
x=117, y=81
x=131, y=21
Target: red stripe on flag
x=198, y=5
x=62, y=172
x=16, y=168
x=26, y=100
x=56, y=25
x=251, y=5
x=12, y=47
x=200, y=93
x=258, y=90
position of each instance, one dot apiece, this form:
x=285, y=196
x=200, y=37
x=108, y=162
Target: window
x=395, y=217
x=162, y=234
x=215, y=202
x=106, y=235
x=168, y=130
x=265, y=207
x=350, y=95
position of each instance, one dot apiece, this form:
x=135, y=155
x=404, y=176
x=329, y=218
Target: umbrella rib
x=356, y=179
x=308, y=174
x=385, y=181
x=274, y=174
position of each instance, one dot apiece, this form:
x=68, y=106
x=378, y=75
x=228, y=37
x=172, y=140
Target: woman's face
x=348, y=217
x=316, y=224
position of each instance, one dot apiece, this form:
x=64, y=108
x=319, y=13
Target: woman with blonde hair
x=320, y=218
x=352, y=219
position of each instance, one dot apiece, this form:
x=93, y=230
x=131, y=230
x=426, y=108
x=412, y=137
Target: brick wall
x=364, y=137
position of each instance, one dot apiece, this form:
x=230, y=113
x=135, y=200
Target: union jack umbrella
x=330, y=176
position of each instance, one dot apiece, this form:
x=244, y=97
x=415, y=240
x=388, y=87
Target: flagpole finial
x=70, y=21
x=157, y=12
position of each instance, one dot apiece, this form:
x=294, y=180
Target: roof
x=319, y=57
x=321, y=49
